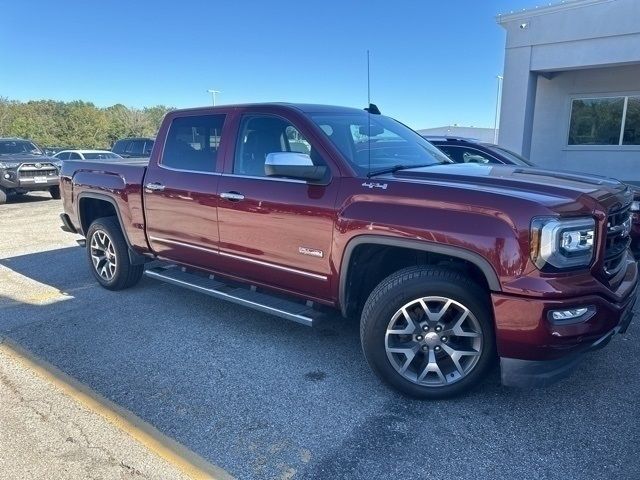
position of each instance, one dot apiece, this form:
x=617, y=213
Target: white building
x=571, y=93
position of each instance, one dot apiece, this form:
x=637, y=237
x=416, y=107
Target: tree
x=76, y=124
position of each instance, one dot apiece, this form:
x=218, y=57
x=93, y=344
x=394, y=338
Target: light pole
x=213, y=95
x=495, y=119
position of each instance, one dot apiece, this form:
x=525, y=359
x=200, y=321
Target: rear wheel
x=108, y=255
x=55, y=192
x=427, y=331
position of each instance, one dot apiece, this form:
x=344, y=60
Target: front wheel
x=108, y=255
x=3, y=196
x=427, y=332
x=55, y=192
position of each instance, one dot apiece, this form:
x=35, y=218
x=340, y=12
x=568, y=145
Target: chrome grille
x=617, y=239
x=30, y=170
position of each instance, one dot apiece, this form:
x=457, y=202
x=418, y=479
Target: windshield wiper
x=395, y=168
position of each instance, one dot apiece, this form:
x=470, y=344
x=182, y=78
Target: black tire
x=55, y=192
x=405, y=286
x=3, y=196
x=124, y=274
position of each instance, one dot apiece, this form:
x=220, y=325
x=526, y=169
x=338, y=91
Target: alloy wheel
x=433, y=341
x=103, y=255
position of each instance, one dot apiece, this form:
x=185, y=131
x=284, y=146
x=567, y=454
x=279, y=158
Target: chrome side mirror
x=293, y=165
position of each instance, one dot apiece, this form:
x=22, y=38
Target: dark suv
x=133, y=147
x=24, y=167
x=462, y=150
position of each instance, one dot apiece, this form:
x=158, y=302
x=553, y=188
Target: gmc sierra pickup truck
x=296, y=210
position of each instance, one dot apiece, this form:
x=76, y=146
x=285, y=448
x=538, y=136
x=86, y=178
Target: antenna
x=368, y=115
x=368, y=81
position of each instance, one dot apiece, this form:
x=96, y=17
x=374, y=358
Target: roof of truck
x=303, y=107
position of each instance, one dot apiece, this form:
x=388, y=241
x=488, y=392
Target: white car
x=85, y=155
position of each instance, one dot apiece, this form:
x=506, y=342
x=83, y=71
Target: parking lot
x=265, y=398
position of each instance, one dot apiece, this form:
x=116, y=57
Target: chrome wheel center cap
x=432, y=339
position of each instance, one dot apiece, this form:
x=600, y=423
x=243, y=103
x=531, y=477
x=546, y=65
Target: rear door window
x=193, y=143
x=74, y=156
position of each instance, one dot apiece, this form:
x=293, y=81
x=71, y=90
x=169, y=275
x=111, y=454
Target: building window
x=605, y=121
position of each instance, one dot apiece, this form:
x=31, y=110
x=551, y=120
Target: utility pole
x=495, y=120
x=213, y=95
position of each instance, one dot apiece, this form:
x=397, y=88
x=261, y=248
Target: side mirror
x=293, y=165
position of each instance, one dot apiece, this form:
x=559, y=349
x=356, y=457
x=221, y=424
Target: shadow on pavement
x=266, y=398
x=29, y=198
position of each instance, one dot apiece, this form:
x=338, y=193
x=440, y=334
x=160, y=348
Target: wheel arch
x=85, y=219
x=473, y=258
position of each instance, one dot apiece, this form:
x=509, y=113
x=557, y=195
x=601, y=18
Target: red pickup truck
x=296, y=210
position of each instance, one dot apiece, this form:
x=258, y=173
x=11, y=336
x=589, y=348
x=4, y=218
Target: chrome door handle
x=155, y=186
x=232, y=196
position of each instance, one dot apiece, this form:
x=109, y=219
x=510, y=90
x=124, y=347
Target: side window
x=148, y=145
x=193, y=142
x=466, y=155
x=135, y=147
x=263, y=134
x=74, y=156
x=63, y=156
x=119, y=146
x=476, y=156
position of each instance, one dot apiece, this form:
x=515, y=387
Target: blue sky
x=433, y=62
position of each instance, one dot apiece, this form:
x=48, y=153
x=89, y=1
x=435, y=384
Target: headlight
x=635, y=206
x=9, y=164
x=558, y=244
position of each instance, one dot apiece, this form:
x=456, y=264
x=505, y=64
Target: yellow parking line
x=166, y=448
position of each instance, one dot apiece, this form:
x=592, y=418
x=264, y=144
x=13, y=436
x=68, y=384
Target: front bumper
x=549, y=352
x=539, y=373
x=12, y=179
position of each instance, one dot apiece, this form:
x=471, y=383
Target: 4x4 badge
x=375, y=185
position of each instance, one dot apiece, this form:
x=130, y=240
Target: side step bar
x=300, y=312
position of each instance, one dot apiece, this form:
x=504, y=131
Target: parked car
x=462, y=150
x=51, y=151
x=133, y=147
x=25, y=168
x=86, y=155
x=446, y=265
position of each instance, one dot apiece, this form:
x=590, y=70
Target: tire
x=3, y=196
x=416, y=356
x=108, y=255
x=55, y=192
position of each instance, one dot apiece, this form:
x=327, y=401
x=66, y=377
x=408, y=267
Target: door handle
x=232, y=196
x=158, y=187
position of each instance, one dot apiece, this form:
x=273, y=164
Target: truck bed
x=118, y=180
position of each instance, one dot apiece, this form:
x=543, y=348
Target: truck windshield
x=9, y=147
x=375, y=142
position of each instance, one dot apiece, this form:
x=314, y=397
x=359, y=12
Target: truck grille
x=29, y=170
x=617, y=239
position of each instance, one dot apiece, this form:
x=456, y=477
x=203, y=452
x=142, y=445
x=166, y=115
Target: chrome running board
x=300, y=312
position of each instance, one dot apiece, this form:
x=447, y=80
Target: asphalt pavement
x=265, y=398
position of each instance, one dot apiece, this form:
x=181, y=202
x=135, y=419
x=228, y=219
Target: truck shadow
x=252, y=393
x=29, y=198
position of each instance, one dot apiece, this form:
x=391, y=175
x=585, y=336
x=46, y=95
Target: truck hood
x=26, y=158
x=548, y=187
